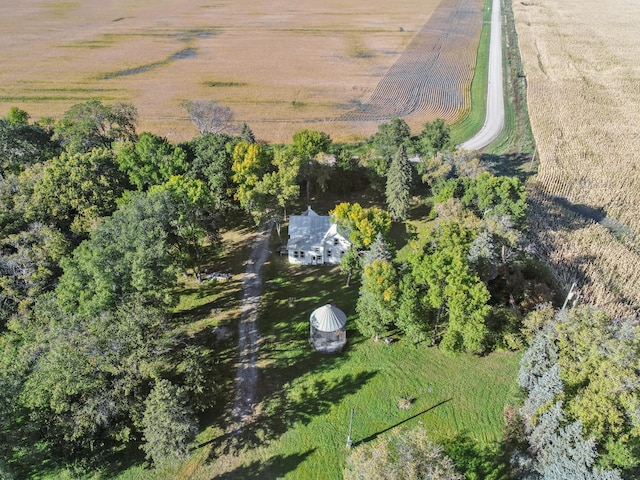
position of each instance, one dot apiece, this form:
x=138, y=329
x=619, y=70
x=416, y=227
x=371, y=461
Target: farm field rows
x=279, y=66
x=432, y=76
x=582, y=66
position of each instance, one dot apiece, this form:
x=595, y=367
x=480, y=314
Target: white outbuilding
x=328, y=333
x=314, y=240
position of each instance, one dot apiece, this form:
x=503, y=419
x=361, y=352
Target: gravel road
x=248, y=335
x=494, y=121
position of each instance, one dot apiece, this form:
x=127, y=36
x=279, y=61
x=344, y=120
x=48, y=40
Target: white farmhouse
x=314, y=240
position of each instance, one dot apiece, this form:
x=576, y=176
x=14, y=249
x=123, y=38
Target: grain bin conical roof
x=328, y=318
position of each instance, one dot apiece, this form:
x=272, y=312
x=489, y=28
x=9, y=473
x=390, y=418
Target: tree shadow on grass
x=274, y=467
x=381, y=432
x=285, y=408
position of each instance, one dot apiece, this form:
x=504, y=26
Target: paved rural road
x=494, y=121
x=248, y=335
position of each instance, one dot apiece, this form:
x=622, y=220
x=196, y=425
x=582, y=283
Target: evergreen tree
x=557, y=447
x=398, y=185
x=169, y=426
x=482, y=256
x=379, y=250
x=541, y=355
x=247, y=134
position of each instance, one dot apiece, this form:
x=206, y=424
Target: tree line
x=97, y=221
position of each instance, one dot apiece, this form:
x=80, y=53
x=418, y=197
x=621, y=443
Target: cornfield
x=582, y=66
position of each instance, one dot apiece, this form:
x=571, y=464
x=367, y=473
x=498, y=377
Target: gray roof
x=308, y=228
x=328, y=318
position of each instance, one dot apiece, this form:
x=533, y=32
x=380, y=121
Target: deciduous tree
x=93, y=124
x=28, y=267
x=390, y=137
x=209, y=116
x=408, y=454
x=77, y=189
x=193, y=221
x=250, y=162
x=86, y=386
x=210, y=160
x=307, y=145
x=23, y=144
x=435, y=137
x=127, y=255
x=151, y=160
x=277, y=189
x=378, y=298
x=361, y=225
x=495, y=196
x=452, y=289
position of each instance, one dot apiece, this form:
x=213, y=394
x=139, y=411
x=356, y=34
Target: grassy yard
x=304, y=400
x=301, y=427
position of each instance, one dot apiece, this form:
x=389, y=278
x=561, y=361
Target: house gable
x=314, y=240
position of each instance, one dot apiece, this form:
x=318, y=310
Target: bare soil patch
x=280, y=66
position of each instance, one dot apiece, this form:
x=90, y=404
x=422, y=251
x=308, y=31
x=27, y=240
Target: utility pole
x=533, y=158
x=569, y=296
x=349, y=441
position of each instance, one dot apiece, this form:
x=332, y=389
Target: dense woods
x=97, y=223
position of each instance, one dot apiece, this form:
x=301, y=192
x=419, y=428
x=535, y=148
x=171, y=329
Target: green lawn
x=306, y=397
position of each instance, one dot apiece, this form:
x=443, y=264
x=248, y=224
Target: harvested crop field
x=582, y=65
x=331, y=65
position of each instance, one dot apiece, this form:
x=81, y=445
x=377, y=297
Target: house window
x=335, y=242
x=301, y=254
x=295, y=254
x=329, y=253
x=316, y=249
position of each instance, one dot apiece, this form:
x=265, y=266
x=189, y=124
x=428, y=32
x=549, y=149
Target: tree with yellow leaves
x=378, y=299
x=250, y=163
x=361, y=225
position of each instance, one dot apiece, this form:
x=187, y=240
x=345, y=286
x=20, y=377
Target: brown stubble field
x=279, y=65
x=582, y=65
